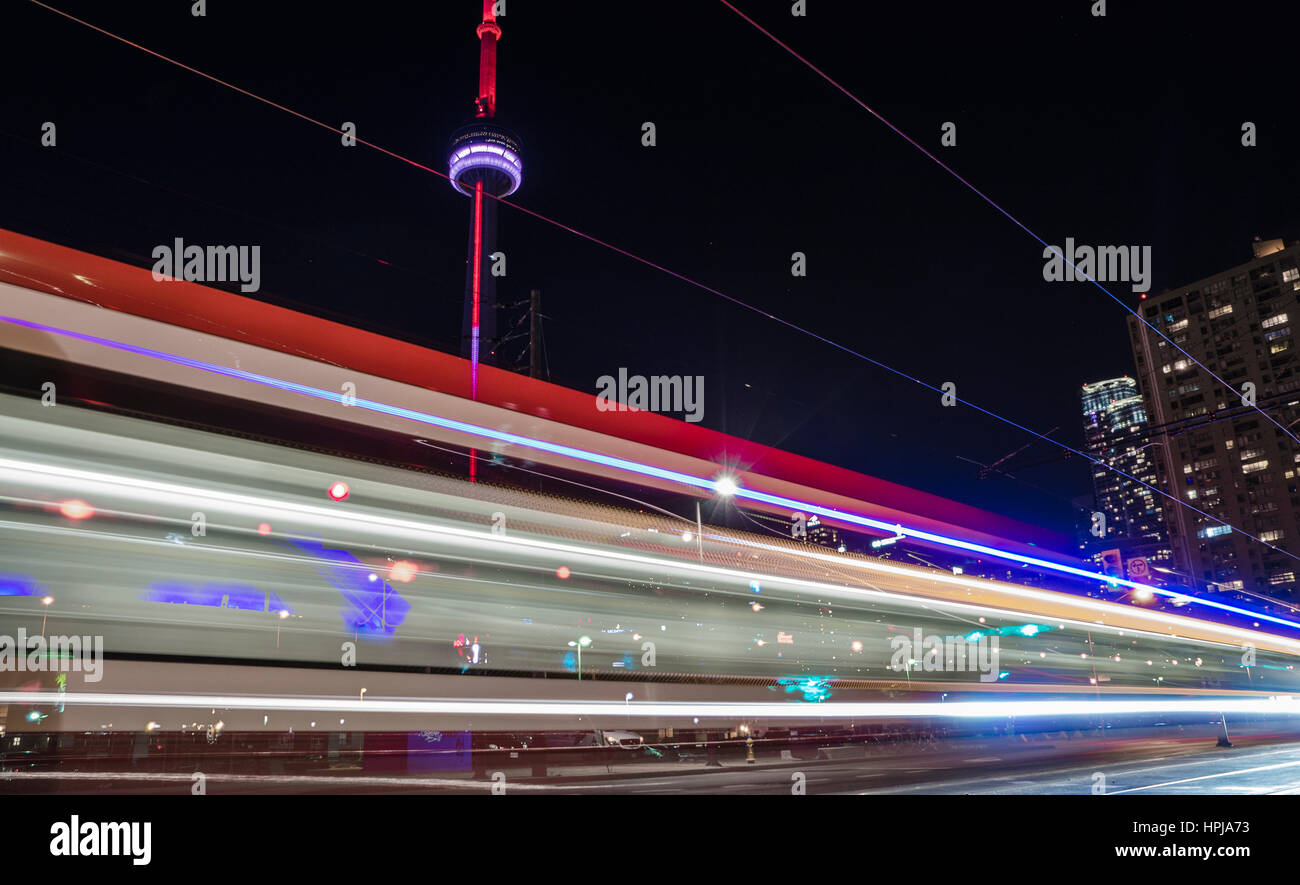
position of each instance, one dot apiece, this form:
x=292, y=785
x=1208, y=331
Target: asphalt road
x=1264, y=760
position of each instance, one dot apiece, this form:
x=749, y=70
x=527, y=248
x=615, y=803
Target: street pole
x=699, y=532
x=1096, y=681
x=578, y=644
x=1223, y=738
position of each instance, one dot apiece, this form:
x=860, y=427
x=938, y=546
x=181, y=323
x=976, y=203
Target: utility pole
x=535, y=333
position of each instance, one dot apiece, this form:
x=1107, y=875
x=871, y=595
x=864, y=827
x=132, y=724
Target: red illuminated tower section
x=489, y=32
x=484, y=163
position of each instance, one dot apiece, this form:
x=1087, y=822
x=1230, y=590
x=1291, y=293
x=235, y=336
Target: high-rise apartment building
x=1217, y=452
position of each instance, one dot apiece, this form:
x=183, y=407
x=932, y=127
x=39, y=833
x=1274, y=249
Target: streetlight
x=45, y=601
x=749, y=744
x=581, y=643
x=725, y=486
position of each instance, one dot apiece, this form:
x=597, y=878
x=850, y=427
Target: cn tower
x=484, y=163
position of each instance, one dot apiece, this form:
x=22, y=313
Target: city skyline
x=874, y=400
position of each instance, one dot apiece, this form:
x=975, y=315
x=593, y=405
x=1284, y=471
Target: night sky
x=1117, y=130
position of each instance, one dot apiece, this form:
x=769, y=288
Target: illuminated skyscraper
x=1115, y=431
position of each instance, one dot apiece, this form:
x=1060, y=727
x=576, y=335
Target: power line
x=277, y=225
x=989, y=200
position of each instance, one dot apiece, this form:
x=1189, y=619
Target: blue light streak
x=18, y=585
x=636, y=467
